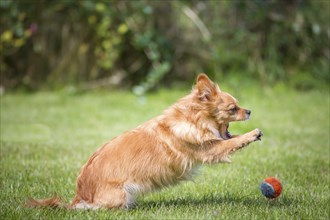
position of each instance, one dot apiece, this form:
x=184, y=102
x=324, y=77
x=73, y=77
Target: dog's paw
x=254, y=135
x=257, y=134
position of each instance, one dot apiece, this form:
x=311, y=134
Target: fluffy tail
x=53, y=202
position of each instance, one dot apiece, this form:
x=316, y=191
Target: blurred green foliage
x=144, y=43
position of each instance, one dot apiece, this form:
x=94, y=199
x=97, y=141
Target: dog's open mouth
x=227, y=133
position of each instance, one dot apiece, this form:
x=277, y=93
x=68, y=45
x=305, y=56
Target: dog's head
x=220, y=106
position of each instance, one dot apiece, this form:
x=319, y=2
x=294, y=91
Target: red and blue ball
x=271, y=187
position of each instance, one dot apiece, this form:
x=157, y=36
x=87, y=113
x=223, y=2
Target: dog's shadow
x=213, y=200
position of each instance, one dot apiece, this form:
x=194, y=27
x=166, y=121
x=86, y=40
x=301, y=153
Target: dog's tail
x=53, y=202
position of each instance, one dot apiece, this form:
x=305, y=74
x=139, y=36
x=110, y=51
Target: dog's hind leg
x=111, y=195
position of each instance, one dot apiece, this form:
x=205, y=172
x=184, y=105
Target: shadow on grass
x=212, y=200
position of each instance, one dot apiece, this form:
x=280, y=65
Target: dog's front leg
x=215, y=151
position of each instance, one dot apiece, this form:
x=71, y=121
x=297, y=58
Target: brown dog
x=162, y=151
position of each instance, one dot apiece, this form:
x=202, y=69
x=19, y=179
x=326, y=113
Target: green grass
x=47, y=137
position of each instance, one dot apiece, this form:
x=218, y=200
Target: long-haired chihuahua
x=162, y=151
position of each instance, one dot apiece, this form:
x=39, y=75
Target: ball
x=271, y=187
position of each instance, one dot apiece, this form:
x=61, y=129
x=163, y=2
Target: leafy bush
x=141, y=44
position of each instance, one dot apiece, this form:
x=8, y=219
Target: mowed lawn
x=46, y=137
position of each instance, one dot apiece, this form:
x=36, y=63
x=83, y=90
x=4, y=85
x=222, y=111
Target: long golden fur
x=163, y=151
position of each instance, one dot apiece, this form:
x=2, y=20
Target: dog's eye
x=234, y=109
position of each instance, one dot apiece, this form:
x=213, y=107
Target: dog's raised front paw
x=254, y=135
x=257, y=134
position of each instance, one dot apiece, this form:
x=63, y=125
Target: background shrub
x=142, y=44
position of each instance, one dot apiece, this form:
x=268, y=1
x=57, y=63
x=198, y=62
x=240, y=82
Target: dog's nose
x=248, y=112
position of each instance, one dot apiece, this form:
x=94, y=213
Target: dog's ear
x=206, y=89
